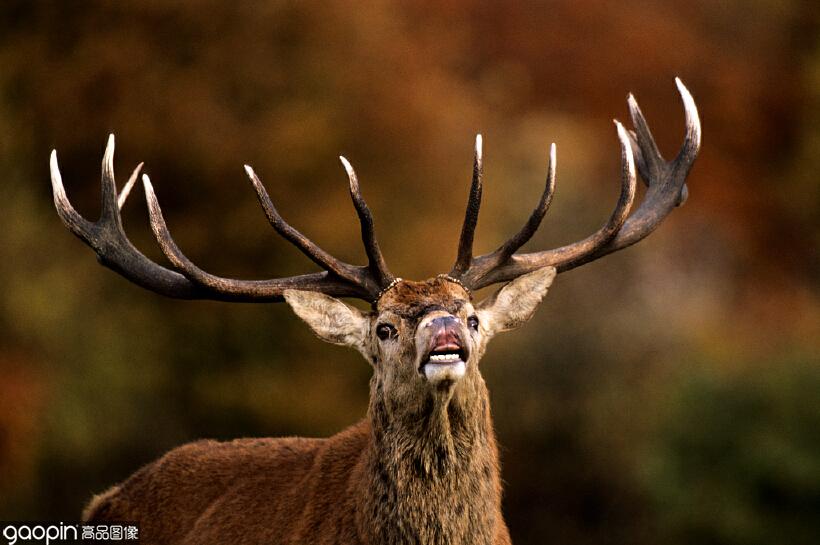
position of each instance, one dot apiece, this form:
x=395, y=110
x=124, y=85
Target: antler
x=109, y=241
x=666, y=185
x=666, y=190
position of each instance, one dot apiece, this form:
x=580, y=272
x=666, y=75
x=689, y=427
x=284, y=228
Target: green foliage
x=736, y=459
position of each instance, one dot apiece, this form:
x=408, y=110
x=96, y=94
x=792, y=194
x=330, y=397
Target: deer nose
x=446, y=332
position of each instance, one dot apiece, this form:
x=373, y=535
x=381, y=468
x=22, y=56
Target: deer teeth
x=445, y=358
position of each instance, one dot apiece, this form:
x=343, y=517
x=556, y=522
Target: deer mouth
x=444, y=362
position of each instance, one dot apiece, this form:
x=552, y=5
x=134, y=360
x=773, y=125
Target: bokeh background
x=667, y=394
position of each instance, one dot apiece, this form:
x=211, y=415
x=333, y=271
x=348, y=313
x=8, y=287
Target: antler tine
x=75, y=223
x=580, y=250
x=110, y=210
x=375, y=259
x=529, y=228
x=240, y=290
x=465, y=243
x=167, y=244
x=129, y=185
x=305, y=245
x=691, y=143
x=666, y=190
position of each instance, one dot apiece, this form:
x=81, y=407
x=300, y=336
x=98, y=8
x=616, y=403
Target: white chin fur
x=437, y=372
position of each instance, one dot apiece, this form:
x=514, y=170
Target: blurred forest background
x=667, y=394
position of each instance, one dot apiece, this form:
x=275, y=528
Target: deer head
x=419, y=335
x=423, y=338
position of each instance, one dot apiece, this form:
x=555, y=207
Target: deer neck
x=432, y=468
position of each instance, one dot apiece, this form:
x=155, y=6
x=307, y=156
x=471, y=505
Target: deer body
x=318, y=491
x=422, y=468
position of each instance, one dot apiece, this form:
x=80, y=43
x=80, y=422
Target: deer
x=422, y=467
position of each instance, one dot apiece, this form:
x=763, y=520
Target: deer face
x=423, y=336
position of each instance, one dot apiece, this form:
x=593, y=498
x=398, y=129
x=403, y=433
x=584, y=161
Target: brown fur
x=408, y=298
x=421, y=469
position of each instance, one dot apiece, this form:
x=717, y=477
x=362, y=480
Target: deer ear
x=330, y=319
x=516, y=302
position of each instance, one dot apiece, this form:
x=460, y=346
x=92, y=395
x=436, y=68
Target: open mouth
x=444, y=362
x=450, y=353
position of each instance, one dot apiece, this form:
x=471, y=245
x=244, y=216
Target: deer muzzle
x=446, y=354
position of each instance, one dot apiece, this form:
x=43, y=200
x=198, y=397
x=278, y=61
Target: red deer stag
x=422, y=467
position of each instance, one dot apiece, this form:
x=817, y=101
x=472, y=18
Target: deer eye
x=385, y=331
x=472, y=322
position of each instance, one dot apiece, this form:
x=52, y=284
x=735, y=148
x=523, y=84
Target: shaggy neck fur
x=432, y=469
